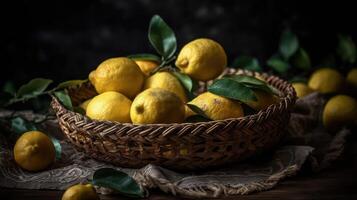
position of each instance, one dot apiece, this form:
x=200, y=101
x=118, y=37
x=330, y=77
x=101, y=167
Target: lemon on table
x=111, y=106
x=80, y=192
x=326, y=80
x=339, y=110
x=146, y=66
x=264, y=100
x=34, y=151
x=85, y=103
x=352, y=77
x=202, y=59
x=118, y=74
x=302, y=89
x=167, y=81
x=156, y=106
x=216, y=107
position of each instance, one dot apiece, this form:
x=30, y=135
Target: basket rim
x=286, y=102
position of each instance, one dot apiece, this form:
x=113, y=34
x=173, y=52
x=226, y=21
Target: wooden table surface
x=337, y=182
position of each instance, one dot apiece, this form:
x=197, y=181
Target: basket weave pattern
x=185, y=146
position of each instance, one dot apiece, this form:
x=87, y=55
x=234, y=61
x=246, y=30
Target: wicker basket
x=185, y=146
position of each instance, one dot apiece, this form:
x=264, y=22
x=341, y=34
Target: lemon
x=118, y=74
x=202, y=59
x=34, y=151
x=263, y=101
x=352, y=77
x=217, y=107
x=146, y=66
x=339, y=110
x=155, y=106
x=111, y=106
x=301, y=89
x=84, y=104
x=80, y=192
x=326, y=80
x=167, y=81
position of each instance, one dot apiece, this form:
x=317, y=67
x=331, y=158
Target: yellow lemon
x=202, y=59
x=302, y=89
x=339, y=110
x=118, y=74
x=84, y=105
x=111, y=106
x=217, y=107
x=34, y=151
x=146, y=66
x=352, y=77
x=156, y=106
x=80, y=192
x=167, y=81
x=264, y=100
x=326, y=80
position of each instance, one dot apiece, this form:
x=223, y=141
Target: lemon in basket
x=118, y=74
x=216, y=107
x=156, y=106
x=146, y=66
x=202, y=59
x=34, y=151
x=167, y=81
x=302, y=89
x=111, y=106
x=80, y=192
x=326, y=80
x=264, y=100
x=85, y=103
x=339, y=110
x=352, y=77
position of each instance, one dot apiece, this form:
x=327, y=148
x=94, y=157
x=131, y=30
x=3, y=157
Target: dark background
x=64, y=40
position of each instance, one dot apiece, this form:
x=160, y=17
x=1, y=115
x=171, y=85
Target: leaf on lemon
x=33, y=88
x=185, y=80
x=145, y=56
x=252, y=83
x=162, y=37
x=198, y=111
x=232, y=89
x=64, y=98
x=289, y=44
x=118, y=181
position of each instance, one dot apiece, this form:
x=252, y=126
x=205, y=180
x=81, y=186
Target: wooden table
x=337, y=182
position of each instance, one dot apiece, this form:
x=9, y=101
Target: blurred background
x=64, y=40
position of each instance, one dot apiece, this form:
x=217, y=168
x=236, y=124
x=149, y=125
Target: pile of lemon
x=128, y=91
x=340, y=110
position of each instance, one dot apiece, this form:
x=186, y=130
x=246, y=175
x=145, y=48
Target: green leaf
x=346, y=49
x=19, y=125
x=301, y=59
x=289, y=44
x=145, y=56
x=117, y=180
x=252, y=82
x=278, y=65
x=58, y=148
x=298, y=79
x=162, y=37
x=247, y=62
x=185, y=80
x=64, y=98
x=9, y=87
x=69, y=83
x=198, y=111
x=33, y=88
x=232, y=89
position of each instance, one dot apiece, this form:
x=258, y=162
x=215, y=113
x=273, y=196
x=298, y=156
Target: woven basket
x=185, y=146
